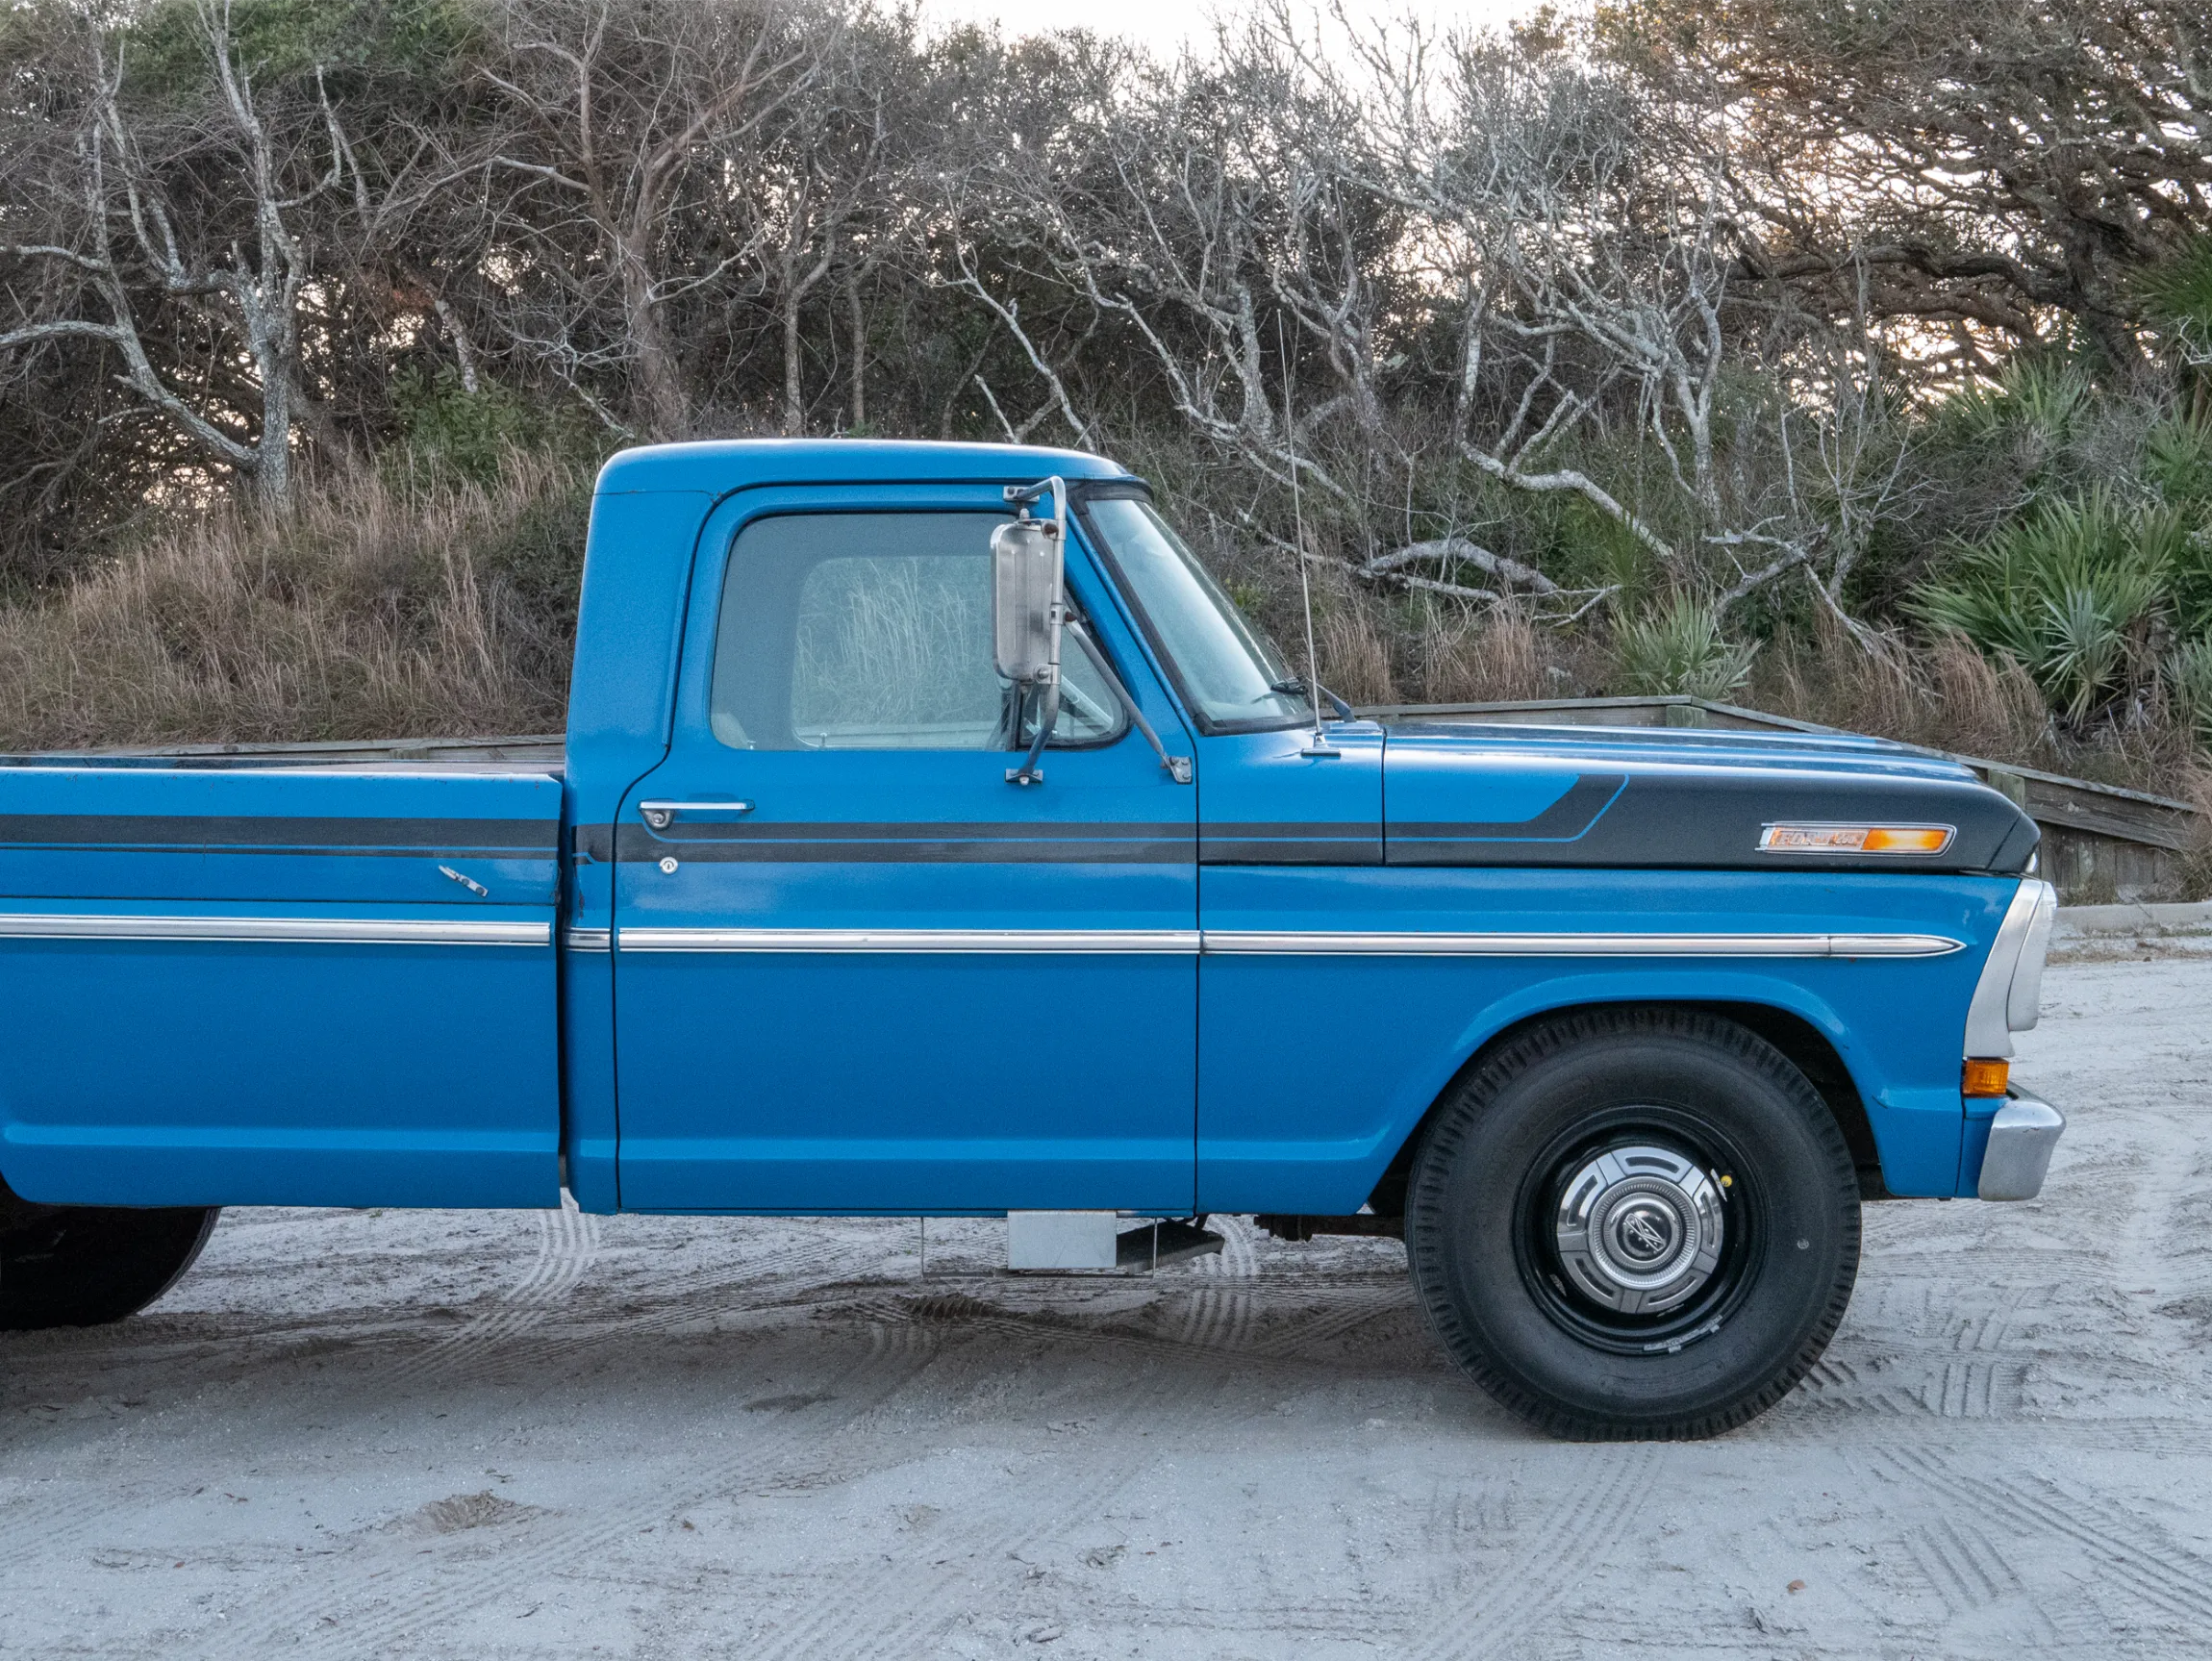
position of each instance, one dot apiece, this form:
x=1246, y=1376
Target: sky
x=1170, y=23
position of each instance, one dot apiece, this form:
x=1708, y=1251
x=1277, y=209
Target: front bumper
x=2021, y=1137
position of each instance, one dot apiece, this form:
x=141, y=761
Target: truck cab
x=933, y=836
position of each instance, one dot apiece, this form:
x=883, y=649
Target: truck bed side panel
x=278, y=987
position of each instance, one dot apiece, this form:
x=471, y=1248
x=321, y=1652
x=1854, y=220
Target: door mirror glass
x=1025, y=601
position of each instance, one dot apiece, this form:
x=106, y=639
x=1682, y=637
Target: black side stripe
x=910, y=843
x=192, y=833
x=921, y=842
x=1290, y=841
x=908, y=830
x=1567, y=820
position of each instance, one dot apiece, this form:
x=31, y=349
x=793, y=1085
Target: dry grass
x=1499, y=657
x=1355, y=655
x=378, y=608
x=2196, y=788
x=1947, y=695
x=1378, y=653
x=1944, y=695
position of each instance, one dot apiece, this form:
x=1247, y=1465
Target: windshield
x=1231, y=674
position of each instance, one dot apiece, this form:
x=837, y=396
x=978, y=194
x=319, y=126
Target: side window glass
x=872, y=631
x=892, y=651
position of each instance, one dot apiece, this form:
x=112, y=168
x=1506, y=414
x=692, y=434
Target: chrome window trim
x=276, y=930
x=1271, y=943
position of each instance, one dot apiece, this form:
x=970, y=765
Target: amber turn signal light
x=1985, y=1078
x=1855, y=839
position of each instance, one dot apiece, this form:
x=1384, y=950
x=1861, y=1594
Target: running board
x=1072, y=1241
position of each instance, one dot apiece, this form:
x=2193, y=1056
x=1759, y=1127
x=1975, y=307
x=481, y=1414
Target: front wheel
x=1634, y=1223
x=88, y=1264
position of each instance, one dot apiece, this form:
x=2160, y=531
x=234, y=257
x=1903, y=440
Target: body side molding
x=1214, y=942
x=277, y=930
x=922, y=940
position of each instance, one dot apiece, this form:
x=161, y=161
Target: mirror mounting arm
x=1027, y=496
x=1178, y=767
x=1048, y=717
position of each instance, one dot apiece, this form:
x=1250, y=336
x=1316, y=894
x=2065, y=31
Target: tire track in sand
x=911, y=1601
x=1219, y=1316
x=568, y=1241
x=395, y=1605
x=1607, y=1487
x=731, y=1287
x=2130, y=1552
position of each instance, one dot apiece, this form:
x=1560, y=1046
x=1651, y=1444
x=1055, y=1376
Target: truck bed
x=320, y=975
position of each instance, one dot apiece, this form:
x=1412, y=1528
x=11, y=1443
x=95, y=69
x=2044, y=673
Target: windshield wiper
x=1296, y=684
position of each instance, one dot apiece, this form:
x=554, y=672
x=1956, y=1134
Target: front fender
x=1305, y=1115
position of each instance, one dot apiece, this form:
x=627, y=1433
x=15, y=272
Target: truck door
x=858, y=969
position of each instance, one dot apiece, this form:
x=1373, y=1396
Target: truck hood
x=1506, y=794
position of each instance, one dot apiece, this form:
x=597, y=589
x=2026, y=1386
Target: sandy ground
x=493, y=1435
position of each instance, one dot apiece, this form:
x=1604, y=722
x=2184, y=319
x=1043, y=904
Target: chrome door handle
x=659, y=816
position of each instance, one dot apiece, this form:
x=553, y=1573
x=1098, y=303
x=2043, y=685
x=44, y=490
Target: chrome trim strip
x=589, y=938
x=659, y=816
x=277, y=930
x=2023, y=1001
x=1441, y=945
x=916, y=940
x=1254, y=942
x=2026, y=926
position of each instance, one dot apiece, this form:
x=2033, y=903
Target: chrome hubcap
x=1639, y=1229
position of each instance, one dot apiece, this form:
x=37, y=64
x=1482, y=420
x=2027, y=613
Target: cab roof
x=723, y=466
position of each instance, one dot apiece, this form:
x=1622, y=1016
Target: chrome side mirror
x=1026, y=571
x=1028, y=603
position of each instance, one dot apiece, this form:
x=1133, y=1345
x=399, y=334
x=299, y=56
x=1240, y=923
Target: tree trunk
x=661, y=400
x=795, y=398
x=859, y=356
x=271, y=476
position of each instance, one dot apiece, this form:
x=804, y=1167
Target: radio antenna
x=1319, y=743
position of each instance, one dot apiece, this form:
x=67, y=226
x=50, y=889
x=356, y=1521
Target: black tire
x=1679, y=1101
x=88, y=1264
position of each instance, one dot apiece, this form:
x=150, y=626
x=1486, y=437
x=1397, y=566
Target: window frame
x=1089, y=640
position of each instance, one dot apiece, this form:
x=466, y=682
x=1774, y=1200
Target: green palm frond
x=1678, y=649
x=2065, y=591
x=2188, y=676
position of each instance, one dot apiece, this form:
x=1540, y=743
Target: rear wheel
x=1635, y=1223
x=87, y=1265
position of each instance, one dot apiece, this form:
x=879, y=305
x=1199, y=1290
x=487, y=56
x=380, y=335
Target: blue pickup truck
x=933, y=836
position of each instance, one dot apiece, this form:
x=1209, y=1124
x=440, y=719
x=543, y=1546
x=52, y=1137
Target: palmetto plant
x=2041, y=399
x=2178, y=295
x=2073, y=591
x=1677, y=647
x=2188, y=672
